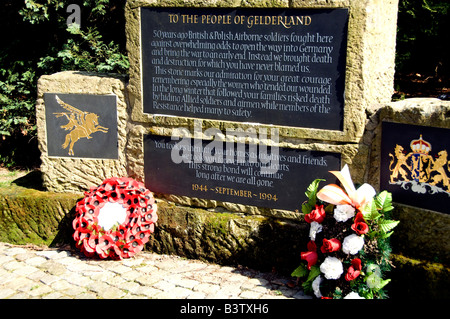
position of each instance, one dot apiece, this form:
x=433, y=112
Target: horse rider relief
x=81, y=124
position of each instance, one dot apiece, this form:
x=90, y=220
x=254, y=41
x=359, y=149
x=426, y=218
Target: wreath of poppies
x=115, y=219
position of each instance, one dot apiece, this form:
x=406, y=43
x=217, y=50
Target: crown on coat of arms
x=420, y=146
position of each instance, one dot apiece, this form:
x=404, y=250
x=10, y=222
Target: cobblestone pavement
x=28, y=272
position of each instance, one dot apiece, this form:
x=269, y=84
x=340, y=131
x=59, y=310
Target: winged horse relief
x=81, y=124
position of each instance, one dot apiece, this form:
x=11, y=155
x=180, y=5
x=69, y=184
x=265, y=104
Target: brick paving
x=28, y=272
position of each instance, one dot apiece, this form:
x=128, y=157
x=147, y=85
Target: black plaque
x=271, y=66
x=234, y=180
x=415, y=166
x=81, y=125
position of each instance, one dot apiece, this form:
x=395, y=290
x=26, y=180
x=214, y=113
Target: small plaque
x=415, y=166
x=81, y=125
x=272, y=66
x=224, y=176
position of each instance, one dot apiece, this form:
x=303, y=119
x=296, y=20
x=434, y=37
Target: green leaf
x=384, y=201
x=383, y=283
x=313, y=273
x=300, y=271
x=385, y=235
x=311, y=191
x=387, y=225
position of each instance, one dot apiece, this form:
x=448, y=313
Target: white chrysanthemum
x=343, y=212
x=316, y=286
x=314, y=229
x=373, y=281
x=353, y=295
x=352, y=244
x=332, y=268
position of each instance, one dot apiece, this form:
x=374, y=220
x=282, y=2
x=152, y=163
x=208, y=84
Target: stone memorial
x=81, y=119
x=292, y=78
x=293, y=70
x=236, y=107
x=415, y=166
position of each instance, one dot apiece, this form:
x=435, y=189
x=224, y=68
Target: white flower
x=316, y=286
x=352, y=244
x=343, y=212
x=353, y=295
x=332, y=268
x=374, y=278
x=314, y=229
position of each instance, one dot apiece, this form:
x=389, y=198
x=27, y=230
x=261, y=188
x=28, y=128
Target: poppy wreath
x=115, y=219
x=347, y=254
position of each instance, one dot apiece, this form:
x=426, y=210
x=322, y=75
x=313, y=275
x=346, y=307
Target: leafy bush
x=42, y=43
x=423, y=36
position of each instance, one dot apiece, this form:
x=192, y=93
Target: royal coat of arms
x=418, y=169
x=81, y=124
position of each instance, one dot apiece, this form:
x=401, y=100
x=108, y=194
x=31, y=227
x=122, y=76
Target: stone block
x=71, y=173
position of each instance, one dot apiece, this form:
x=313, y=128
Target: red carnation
x=359, y=224
x=311, y=255
x=330, y=246
x=354, y=270
x=316, y=215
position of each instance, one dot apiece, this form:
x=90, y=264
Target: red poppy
x=311, y=255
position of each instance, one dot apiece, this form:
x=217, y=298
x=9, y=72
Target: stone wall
x=422, y=233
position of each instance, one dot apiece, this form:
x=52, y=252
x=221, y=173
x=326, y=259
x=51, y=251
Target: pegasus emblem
x=81, y=124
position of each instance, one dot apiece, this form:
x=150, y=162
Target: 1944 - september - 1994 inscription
x=278, y=66
x=248, y=174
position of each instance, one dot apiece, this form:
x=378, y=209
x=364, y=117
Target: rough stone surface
x=416, y=111
x=84, y=173
x=226, y=238
x=258, y=242
x=422, y=233
x=32, y=216
x=172, y=277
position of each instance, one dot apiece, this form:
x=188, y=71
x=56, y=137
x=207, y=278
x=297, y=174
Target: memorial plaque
x=272, y=66
x=237, y=174
x=81, y=125
x=415, y=166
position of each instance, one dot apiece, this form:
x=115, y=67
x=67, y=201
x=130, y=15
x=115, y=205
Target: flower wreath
x=348, y=249
x=114, y=219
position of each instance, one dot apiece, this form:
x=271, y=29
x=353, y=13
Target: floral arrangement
x=115, y=219
x=348, y=250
